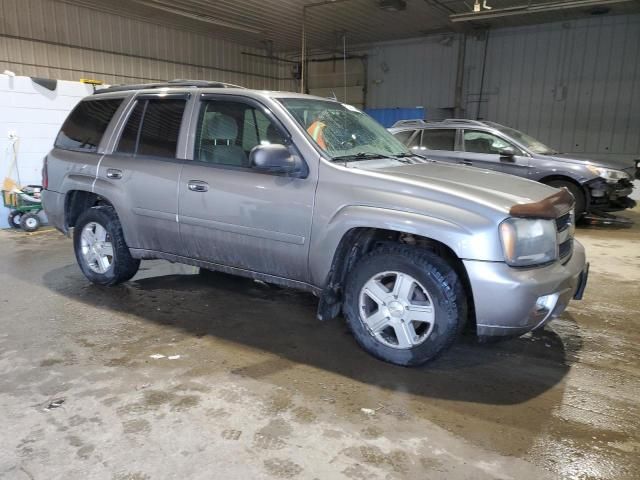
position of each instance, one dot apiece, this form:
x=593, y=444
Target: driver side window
x=476, y=141
x=228, y=130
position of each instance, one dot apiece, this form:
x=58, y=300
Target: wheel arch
x=359, y=241
x=78, y=201
x=566, y=178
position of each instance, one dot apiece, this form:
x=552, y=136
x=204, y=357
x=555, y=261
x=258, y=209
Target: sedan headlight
x=528, y=242
x=609, y=174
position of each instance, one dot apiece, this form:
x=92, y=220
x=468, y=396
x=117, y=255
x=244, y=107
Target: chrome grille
x=565, y=226
x=564, y=222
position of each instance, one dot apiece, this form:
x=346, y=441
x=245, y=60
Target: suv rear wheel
x=404, y=305
x=101, y=252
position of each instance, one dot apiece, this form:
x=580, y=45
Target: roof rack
x=169, y=84
x=405, y=123
x=464, y=120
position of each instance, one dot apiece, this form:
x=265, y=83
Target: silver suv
x=312, y=194
x=597, y=185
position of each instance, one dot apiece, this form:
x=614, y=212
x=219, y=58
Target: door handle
x=466, y=162
x=198, y=186
x=114, y=173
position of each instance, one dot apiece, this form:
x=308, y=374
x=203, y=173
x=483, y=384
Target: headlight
x=609, y=174
x=527, y=242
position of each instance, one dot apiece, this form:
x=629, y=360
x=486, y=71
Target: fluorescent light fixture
x=529, y=9
x=201, y=17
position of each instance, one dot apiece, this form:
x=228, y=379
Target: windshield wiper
x=360, y=156
x=409, y=155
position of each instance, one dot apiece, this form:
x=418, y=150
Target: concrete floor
x=263, y=390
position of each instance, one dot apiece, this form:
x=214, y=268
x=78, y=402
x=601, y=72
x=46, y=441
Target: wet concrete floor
x=174, y=375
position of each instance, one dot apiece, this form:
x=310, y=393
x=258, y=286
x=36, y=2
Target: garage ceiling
x=276, y=24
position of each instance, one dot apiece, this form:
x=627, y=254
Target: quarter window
x=476, y=141
x=153, y=128
x=227, y=131
x=404, y=136
x=84, y=127
x=439, y=139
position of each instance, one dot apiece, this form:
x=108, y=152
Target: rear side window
x=404, y=135
x=153, y=128
x=84, y=127
x=439, y=139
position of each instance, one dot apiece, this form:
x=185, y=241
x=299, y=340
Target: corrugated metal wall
x=574, y=85
x=57, y=40
x=412, y=74
x=330, y=79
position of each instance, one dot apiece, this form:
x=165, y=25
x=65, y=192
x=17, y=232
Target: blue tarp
x=389, y=116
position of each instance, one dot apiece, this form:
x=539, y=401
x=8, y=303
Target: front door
x=233, y=215
x=143, y=172
x=486, y=150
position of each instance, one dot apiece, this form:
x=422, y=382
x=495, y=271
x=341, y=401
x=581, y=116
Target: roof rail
x=464, y=120
x=404, y=123
x=169, y=84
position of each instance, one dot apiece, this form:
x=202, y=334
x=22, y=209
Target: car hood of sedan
x=617, y=164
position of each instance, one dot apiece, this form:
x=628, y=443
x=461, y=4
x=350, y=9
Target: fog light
x=546, y=304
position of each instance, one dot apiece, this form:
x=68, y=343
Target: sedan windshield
x=343, y=131
x=536, y=146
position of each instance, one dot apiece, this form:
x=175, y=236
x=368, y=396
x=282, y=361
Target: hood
x=494, y=190
x=618, y=164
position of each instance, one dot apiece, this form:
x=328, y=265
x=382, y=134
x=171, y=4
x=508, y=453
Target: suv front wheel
x=101, y=252
x=404, y=305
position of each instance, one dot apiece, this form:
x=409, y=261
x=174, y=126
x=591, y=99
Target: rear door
x=141, y=175
x=493, y=152
x=233, y=215
x=440, y=144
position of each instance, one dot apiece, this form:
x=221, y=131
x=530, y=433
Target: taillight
x=45, y=175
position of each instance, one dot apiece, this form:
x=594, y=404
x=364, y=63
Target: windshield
x=343, y=131
x=527, y=141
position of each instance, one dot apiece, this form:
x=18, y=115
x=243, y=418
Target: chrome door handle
x=114, y=173
x=198, y=186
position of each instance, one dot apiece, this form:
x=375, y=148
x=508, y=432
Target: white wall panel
x=57, y=40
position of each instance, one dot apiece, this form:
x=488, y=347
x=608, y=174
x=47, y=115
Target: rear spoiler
x=550, y=208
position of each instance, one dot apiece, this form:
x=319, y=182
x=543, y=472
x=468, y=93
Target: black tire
x=576, y=191
x=30, y=222
x=437, y=277
x=14, y=219
x=123, y=266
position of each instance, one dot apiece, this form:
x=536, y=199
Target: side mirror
x=507, y=154
x=273, y=159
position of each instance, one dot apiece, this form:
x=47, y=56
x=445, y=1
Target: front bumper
x=511, y=302
x=611, y=197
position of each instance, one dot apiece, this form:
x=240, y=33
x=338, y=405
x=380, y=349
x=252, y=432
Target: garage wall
x=330, y=79
x=414, y=74
x=574, y=85
x=56, y=40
